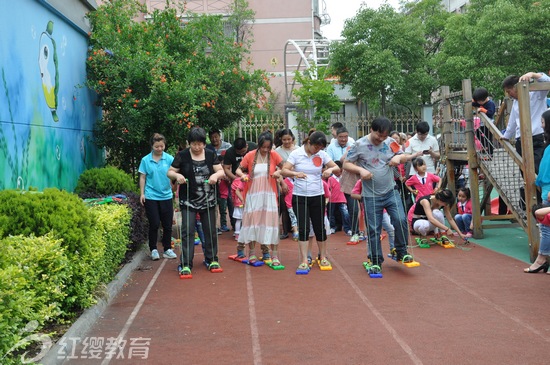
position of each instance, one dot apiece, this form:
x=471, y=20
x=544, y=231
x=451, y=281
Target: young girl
x=288, y=204
x=237, y=196
x=422, y=183
x=464, y=217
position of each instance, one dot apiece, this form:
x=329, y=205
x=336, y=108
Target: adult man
x=337, y=150
x=234, y=155
x=537, y=104
x=219, y=146
x=372, y=157
x=334, y=131
x=425, y=145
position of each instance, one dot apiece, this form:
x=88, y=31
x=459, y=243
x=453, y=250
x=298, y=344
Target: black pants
x=353, y=209
x=309, y=208
x=210, y=246
x=159, y=211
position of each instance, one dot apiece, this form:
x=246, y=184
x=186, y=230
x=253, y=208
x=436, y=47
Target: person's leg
x=302, y=215
x=541, y=262
x=398, y=220
x=346, y=220
x=388, y=227
x=467, y=219
x=230, y=208
x=188, y=217
x=460, y=223
x=317, y=215
x=152, y=211
x=208, y=219
x=166, y=218
x=422, y=227
x=354, y=213
x=331, y=218
x=222, y=205
x=373, y=213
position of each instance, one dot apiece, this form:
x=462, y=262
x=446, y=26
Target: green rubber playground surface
x=508, y=240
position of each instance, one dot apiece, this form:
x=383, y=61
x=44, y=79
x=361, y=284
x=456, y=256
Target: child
x=338, y=200
x=237, y=196
x=288, y=204
x=312, y=232
x=485, y=105
x=422, y=183
x=464, y=217
x=386, y=220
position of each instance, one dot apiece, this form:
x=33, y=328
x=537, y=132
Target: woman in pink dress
x=260, y=215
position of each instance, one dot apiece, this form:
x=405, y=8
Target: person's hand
x=327, y=174
x=181, y=179
x=301, y=175
x=213, y=179
x=527, y=77
x=245, y=178
x=366, y=175
x=284, y=188
x=142, y=199
x=276, y=174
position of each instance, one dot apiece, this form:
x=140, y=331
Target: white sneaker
x=155, y=255
x=332, y=231
x=169, y=254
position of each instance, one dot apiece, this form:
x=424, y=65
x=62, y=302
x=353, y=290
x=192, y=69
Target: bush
x=105, y=181
x=32, y=285
x=66, y=216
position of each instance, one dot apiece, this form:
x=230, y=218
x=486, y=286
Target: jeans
x=463, y=222
x=345, y=216
x=544, y=248
x=374, y=208
x=353, y=211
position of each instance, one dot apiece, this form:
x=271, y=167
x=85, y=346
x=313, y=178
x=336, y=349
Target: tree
x=165, y=75
x=382, y=57
x=492, y=40
x=316, y=100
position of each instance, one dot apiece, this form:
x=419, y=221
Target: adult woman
x=541, y=211
x=305, y=164
x=287, y=146
x=156, y=195
x=197, y=170
x=260, y=223
x=427, y=217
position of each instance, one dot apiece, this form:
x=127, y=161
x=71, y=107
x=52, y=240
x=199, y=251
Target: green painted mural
x=47, y=116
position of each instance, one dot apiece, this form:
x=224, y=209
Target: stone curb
x=84, y=323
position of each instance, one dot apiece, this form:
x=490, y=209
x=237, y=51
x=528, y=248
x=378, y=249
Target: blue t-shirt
x=157, y=184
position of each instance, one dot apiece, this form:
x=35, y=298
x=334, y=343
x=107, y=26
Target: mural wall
x=46, y=113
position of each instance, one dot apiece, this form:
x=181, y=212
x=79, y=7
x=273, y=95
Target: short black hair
x=196, y=134
x=480, y=94
x=418, y=161
x=381, y=124
x=341, y=130
x=239, y=143
x=422, y=127
x=337, y=125
x=317, y=139
x=214, y=131
x=510, y=81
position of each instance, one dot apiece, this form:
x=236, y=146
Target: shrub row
x=54, y=255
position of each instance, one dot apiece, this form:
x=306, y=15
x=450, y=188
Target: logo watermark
x=80, y=348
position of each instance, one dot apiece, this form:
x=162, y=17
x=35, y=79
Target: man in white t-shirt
x=425, y=145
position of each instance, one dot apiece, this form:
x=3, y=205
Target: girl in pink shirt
x=422, y=183
x=464, y=217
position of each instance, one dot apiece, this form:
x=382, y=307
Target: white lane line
x=491, y=304
x=256, y=349
x=134, y=313
x=378, y=315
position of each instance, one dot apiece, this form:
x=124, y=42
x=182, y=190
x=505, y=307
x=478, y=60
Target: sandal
x=295, y=236
x=213, y=265
x=185, y=271
x=275, y=261
x=324, y=262
x=252, y=259
x=303, y=267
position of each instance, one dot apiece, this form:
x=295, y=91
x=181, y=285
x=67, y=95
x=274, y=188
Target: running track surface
x=467, y=305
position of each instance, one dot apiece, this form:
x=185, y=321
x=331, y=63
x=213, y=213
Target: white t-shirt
x=416, y=145
x=312, y=166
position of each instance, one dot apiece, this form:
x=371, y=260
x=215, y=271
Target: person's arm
x=174, y=174
x=142, y=188
x=217, y=175
x=452, y=222
x=531, y=75
x=239, y=194
x=230, y=175
x=288, y=171
x=353, y=168
x=428, y=210
x=331, y=168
